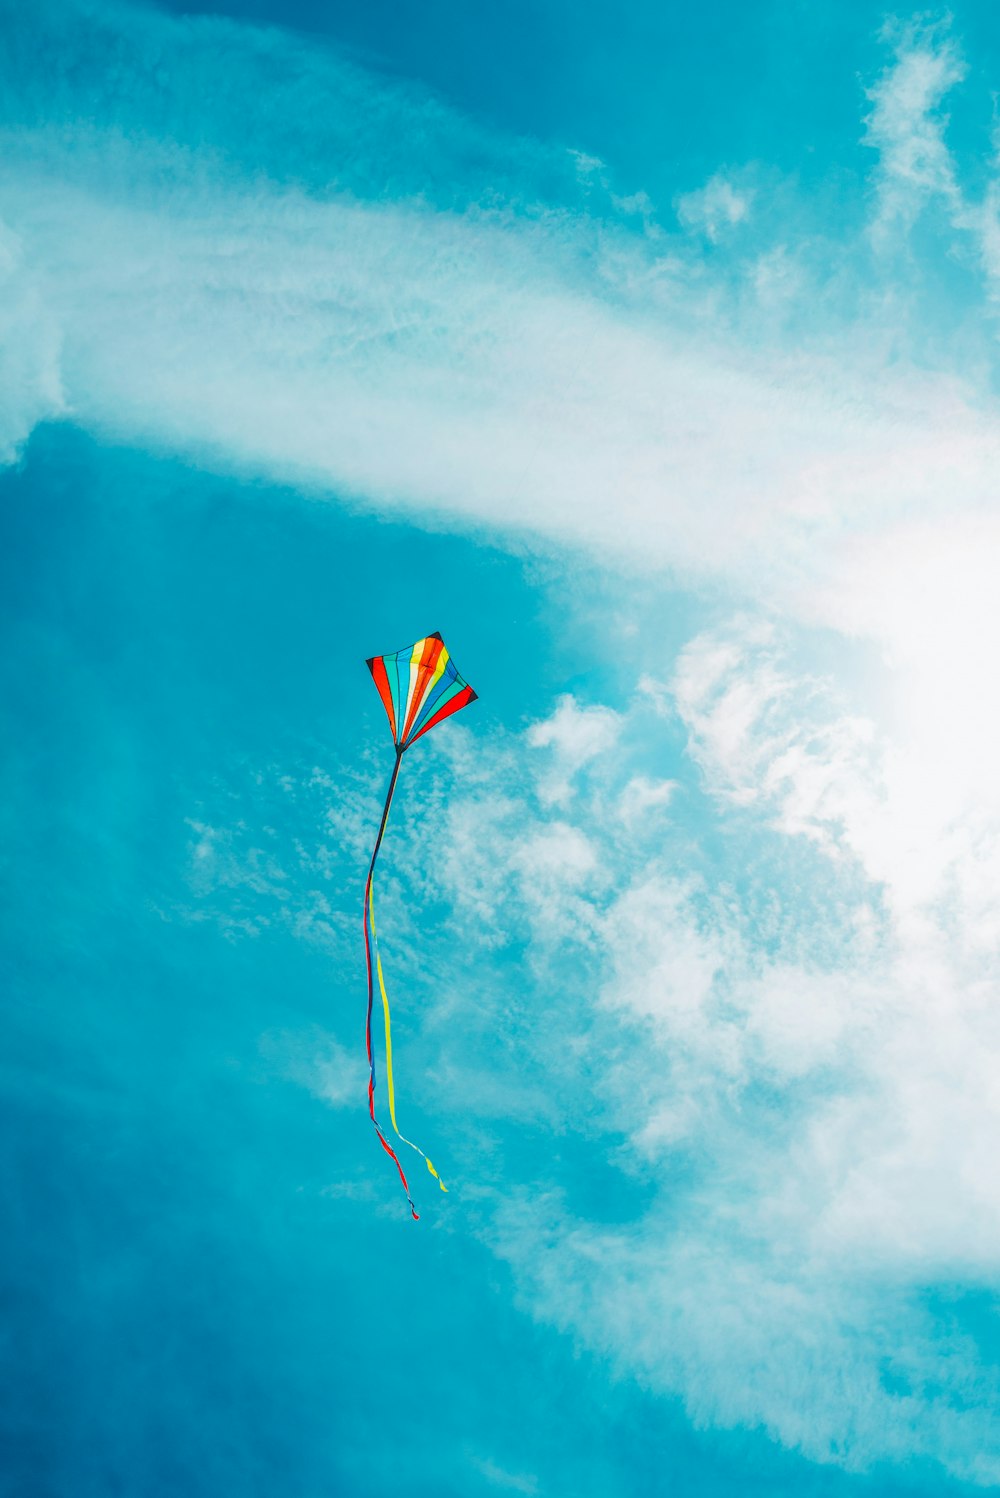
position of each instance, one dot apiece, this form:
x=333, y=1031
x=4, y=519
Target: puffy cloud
x=811, y=1084
x=574, y=736
x=642, y=796
x=792, y=1070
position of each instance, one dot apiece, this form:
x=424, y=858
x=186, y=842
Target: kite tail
x=388, y=1043
x=371, y=994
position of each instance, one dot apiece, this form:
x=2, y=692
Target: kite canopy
x=419, y=687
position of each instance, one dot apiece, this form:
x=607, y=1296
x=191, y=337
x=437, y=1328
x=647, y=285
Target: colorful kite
x=419, y=687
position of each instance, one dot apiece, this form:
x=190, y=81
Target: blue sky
x=653, y=361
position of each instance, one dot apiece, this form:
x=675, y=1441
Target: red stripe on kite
x=377, y=667
x=464, y=697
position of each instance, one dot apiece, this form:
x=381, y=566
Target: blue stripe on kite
x=440, y=698
x=405, y=661
x=441, y=689
x=448, y=676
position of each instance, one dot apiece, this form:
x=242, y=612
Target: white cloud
x=907, y=127
x=798, y=1072
x=554, y=376
x=714, y=208
x=801, y=1066
x=319, y=1063
x=575, y=736
x=984, y=221
x=30, y=385
x=817, y=1098
x=643, y=796
x=763, y=735
x=502, y=1478
x=813, y=1359
x=916, y=167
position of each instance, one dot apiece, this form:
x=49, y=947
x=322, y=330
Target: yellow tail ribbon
x=388, y=1046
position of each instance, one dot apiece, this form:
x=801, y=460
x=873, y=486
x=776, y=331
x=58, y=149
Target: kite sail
x=419, y=688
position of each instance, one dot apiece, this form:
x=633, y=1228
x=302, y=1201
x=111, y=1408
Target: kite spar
x=419, y=688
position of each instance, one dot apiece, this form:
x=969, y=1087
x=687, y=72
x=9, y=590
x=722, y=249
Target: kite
x=419, y=688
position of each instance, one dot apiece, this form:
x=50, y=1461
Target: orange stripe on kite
x=429, y=656
x=468, y=695
x=377, y=667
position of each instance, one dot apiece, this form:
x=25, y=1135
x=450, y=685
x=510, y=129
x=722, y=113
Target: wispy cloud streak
x=564, y=374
